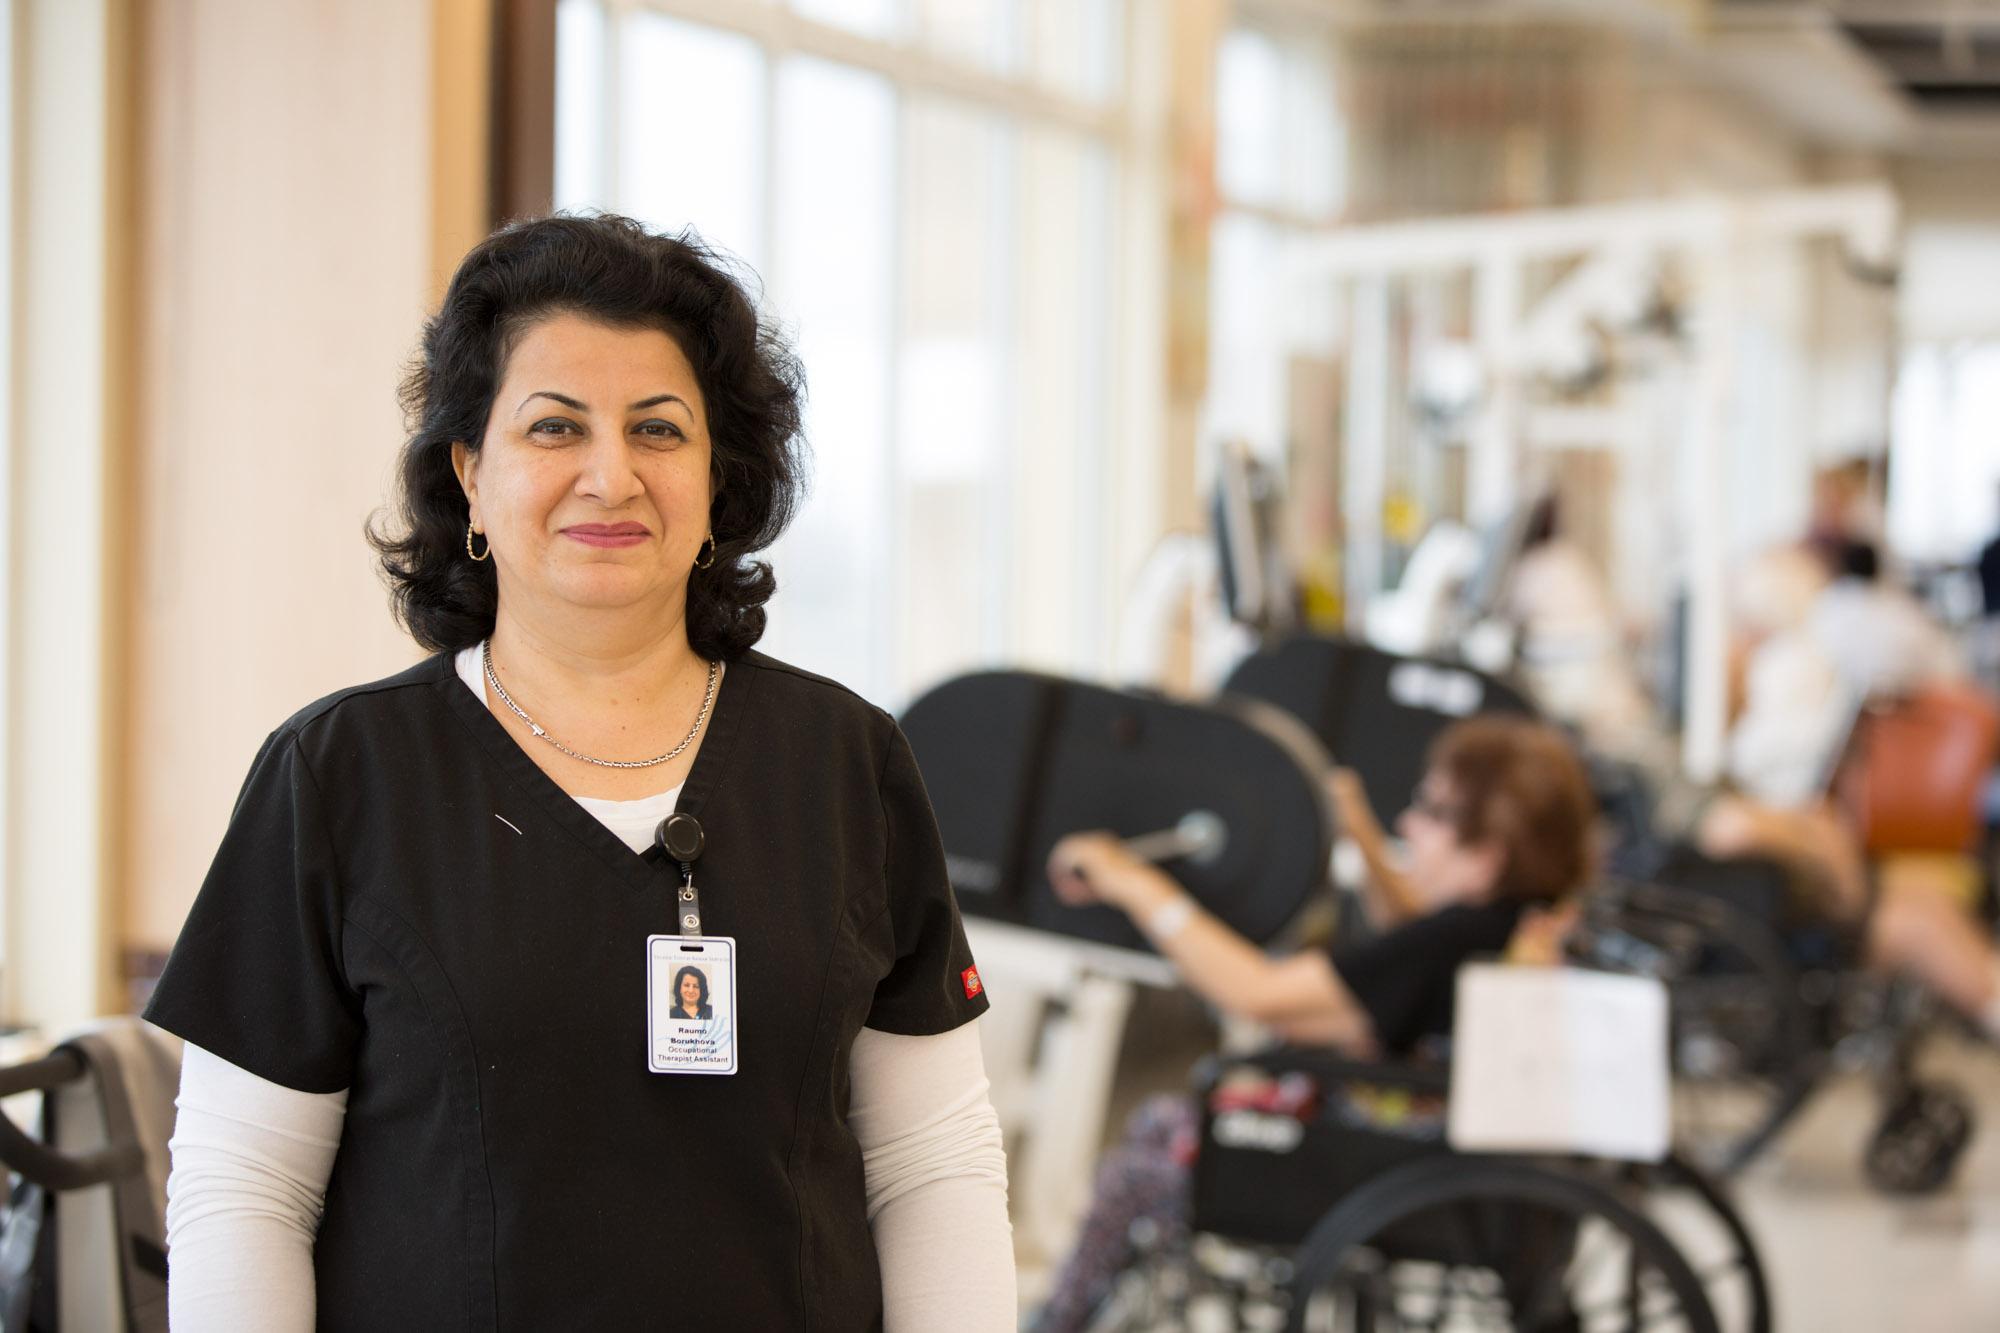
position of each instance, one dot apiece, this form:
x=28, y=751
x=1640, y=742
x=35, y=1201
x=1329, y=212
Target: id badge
x=690, y=1004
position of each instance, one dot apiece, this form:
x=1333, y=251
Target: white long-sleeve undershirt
x=251, y=1160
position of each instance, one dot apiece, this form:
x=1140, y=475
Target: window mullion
x=999, y=632
x=782, y=31
x=901, y=607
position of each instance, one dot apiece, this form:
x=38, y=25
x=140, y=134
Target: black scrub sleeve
x=255, y=976
x=932, y=986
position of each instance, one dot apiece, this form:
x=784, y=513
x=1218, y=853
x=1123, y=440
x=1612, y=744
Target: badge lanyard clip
x=690, y=903
x=680, y=837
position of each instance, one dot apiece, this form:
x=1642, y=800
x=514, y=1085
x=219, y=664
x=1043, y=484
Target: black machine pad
x=1014, y=761
x=1377, y=713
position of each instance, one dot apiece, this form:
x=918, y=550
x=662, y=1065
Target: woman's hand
x=1386, y=890
x=1097, y=867
x=1350, y=800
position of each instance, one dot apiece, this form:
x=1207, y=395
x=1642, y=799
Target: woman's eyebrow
x=575, y=406
x=563, y=398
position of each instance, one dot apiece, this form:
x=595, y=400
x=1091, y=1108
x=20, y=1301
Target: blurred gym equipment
x=1230, y=798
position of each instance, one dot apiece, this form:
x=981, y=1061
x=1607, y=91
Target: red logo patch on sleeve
x=971, y=979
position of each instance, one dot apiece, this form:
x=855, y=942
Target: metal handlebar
x=1201, y=837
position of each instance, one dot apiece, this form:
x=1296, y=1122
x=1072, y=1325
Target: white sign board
x=1554, y=1059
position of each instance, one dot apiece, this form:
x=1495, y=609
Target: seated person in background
x=1501, y=822
x=1832, y=633
x=1905, y=917
x=1821, y=631
x=1573, y=656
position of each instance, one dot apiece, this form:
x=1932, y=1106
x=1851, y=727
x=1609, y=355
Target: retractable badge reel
x=690, y=977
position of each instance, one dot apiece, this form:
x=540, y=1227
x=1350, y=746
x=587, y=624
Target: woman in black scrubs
x=431, y=917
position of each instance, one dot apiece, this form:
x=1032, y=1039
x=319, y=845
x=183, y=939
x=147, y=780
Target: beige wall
x=286, y=255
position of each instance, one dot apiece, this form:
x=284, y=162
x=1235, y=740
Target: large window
x=927, y=191
x=1944, y=474
x=1280, y=170
x=1944, y=462
x=1274, y=342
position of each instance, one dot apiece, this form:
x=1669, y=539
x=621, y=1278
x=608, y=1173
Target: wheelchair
x=1763, y=1014
x=1770, y=1000
x=83, y=1227
x=1324, y=1196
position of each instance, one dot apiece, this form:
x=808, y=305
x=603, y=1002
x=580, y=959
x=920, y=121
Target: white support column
x=1072, y=1096
x=1364, y=451
x=1051, y=1047
x=10, y=190
x=1492, y=459
x=1705, y=525
x=58, y=963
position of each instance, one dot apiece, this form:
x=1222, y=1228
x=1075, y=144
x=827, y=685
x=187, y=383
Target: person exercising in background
x=1501, y=820
x=1500, y=825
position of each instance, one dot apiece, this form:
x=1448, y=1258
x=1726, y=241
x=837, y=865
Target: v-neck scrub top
x=406, y=906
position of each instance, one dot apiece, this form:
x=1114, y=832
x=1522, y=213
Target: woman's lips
x=607, y=534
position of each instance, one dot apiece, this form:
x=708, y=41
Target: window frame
x=782, y=31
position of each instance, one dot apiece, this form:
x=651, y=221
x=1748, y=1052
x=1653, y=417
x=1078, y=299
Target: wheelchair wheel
x=1743, y=1053
x=1208, y=1286
x=1698, y=1217
x=1471, y=1244
x=1922, y=1135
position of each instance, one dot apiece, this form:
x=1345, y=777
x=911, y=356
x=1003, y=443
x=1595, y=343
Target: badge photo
x=690, y=1004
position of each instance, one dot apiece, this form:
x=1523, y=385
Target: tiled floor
x=1842, y=1257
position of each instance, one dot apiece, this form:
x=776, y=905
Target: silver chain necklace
x=707, y=701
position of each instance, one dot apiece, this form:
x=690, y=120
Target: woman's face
x=691, y=991
x=592, y=481
x=1443, y=870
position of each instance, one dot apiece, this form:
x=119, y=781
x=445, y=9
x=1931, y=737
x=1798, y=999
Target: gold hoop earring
x=704, y=564
x=468, y=546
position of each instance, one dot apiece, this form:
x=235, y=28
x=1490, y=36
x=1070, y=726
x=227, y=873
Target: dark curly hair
x=611, y=270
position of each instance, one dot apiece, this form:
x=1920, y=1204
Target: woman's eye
x=660, y=430
x=553, y=427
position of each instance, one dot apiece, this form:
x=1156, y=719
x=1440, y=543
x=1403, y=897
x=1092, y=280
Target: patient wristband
x=1169, y=918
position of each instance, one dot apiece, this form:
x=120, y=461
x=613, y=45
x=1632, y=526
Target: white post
x=10, y=83
x=1072, y=1096
x=58, y=941
x=1492, y=462
x=1051, y=1047
x=1705, y=526
x=1364, y=452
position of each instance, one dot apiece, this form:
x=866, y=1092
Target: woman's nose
x=608, y=475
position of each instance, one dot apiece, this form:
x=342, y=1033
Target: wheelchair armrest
x=50, y=1071
x=1328, y=1067
x=42, y=1165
